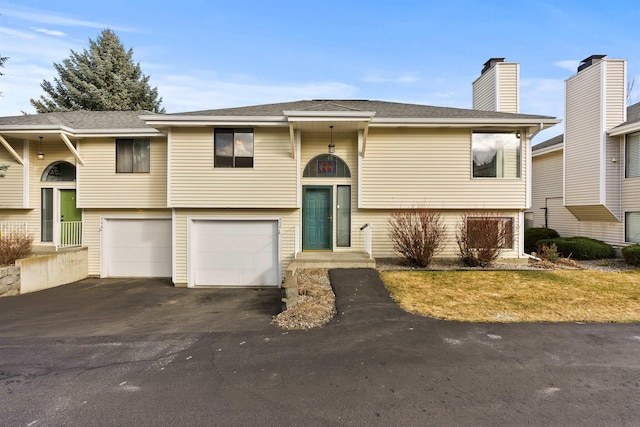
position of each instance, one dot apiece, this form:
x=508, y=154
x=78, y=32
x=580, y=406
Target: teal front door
x=317, y=223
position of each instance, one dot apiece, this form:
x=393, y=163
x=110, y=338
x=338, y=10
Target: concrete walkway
x=143, y=353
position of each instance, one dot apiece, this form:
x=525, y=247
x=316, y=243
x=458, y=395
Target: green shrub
x=631, y=254
x=533, y=235
x=580, y=247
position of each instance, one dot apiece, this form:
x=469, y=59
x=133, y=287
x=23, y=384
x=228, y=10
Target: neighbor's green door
x=70, y=234
x=68, y=209
x=317, y=222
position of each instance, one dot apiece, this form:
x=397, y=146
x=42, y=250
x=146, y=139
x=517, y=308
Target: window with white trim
x=632, y=155
x=496, y=154
x=233, y=148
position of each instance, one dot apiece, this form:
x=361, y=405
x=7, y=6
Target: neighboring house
x=585, y=182
x=231, y=196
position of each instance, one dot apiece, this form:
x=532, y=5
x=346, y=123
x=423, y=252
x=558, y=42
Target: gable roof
x=382, y=109
x=631, y=125
x=556, y=140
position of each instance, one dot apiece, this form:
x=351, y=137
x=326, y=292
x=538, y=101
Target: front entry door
x=317, y=222
x=70, y=234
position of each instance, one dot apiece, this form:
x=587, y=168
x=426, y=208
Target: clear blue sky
x=213, y=54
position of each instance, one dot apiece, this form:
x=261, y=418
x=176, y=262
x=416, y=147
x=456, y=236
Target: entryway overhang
x=319, y=121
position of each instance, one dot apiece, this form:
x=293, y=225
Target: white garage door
x=234, y=253
x=138, y=248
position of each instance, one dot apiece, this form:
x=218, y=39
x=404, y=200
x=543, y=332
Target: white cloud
x=52, y=18
x=49, y=32
x=569, y=64
x=404, y=78
x=185, y=93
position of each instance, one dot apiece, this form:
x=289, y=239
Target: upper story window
x=632, y=156
x=496, y=154
x=326, y=165
x=233, y=148
x=133, y=155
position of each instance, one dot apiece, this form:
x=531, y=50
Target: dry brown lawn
x=518, y=296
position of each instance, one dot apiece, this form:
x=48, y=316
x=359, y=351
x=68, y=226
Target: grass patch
x=518, y=296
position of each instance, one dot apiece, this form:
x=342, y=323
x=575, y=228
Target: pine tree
x=102, y=78
x=2, y=61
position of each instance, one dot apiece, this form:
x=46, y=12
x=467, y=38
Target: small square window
x=133, y=155
x=233, y=148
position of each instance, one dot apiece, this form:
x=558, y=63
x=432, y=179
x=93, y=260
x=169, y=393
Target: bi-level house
x=586, y=182
x=232, y=196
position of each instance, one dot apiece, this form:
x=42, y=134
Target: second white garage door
x=136, y=247
x=234, y=252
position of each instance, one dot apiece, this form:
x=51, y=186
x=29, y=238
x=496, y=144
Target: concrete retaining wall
x=51, y=270
x=9, y=281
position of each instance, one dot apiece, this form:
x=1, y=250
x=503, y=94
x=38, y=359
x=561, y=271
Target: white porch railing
x=13, y=228
x=70, y=234
x=296, y=240
x=368, y=239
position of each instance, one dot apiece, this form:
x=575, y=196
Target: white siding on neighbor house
x=547, y=183
x=614, y=171
x=484, y=91
x=431, y=168
x=101, y=187
x=289, y=218
x=508, y=87
x=271, y=183
x=92, y=229
x=12, y=185
x=583, y=137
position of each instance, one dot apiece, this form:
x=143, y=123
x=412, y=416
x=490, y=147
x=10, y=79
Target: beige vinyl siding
x=101, y=187
x=12, y=185
x=431, y=168
x=196, y=183
x=484, y=91
x=289, y=218
x=507, y=81
x=615, y=109
x=92, y=229
x=383, y=248
x=583, y=136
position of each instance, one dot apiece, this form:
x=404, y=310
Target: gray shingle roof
x=381, y=108
x=559, y=139
x=82, y=119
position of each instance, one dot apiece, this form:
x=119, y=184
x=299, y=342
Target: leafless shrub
x=13, y=247
x=482, y=237
x=417, y=234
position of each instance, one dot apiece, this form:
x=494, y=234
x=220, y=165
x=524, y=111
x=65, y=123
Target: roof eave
x=624, y=129
x=542, y=122
x=547, y=150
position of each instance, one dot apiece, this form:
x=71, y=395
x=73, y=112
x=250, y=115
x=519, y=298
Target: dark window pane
x=244, y=162
x=224, y=162
x=124, y=155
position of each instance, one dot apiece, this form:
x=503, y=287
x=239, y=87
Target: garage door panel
x=139, y=248
x=235, y=253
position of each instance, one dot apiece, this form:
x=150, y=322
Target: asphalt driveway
x=140, y=352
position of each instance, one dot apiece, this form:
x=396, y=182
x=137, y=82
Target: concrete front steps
x=304, y=260
x=333, y=260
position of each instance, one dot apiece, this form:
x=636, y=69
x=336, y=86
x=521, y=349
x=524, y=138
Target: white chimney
x=498, y=87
